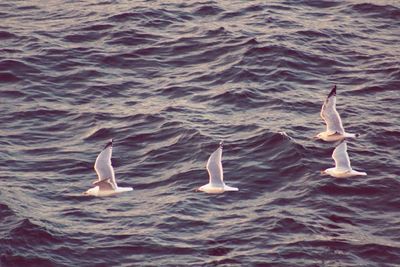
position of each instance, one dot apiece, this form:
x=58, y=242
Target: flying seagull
x=105, y=184
x=334, y=127
x=342, y=167
x=216, y=174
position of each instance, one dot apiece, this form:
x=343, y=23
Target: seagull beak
x=322, y=172
x=314, y=138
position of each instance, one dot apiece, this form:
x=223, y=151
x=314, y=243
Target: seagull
x=216, y=184
x=342, y=163
x=106, y=184
x=334, y=127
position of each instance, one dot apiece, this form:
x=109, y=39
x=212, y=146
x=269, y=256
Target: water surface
x=168, y=80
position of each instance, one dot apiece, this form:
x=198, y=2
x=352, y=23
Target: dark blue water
x=168, y=80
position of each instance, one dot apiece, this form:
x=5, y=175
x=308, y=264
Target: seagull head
x=328, y=171
x=92, y=191
x=317, y=137
x=200, y=189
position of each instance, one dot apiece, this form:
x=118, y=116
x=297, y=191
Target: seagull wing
x=214, y=168
x=341, y=157
x=103, y=166
x=330, y=115
x=106, y=185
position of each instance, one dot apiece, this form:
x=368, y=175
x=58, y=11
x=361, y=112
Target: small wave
x=147, y=18
x=289, y=225
x=7, y=35
x=27, y=233
x=101, y=134
x=239, y=98
x=5, y=211
x=7, y=77
x=17, y=67
x=131, y=38
x=335, y=188
x=252, y=9
x=378, y=11
x=176, y=91
x=11, y=259
x=80, y=38
x=321, y=4
x=312, y=34
x=11, y=93
x=22, y=240
x=340, y=219
x=98, y=27
x=207, y=10
x=28, y=7
x=43, y=114
x=375, y=89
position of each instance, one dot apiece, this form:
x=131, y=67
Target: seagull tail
x=351, y=135
x=229, y=188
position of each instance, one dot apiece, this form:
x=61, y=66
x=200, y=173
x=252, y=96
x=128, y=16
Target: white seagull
x=106, y=184
x=216, y=184
x=342, y=163
x=334, y=127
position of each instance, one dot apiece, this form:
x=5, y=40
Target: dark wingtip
x=109, y=144
x=333, y=91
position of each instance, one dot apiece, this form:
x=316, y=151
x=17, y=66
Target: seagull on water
x=105, y=184
x=342, y=163
x=214, y=167
x=334, y=127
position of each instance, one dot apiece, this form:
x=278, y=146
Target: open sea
x=167, y=80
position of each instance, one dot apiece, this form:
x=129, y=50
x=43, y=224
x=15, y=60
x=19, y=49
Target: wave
x=377, y=11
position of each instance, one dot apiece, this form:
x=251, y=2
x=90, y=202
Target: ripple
x=7, y=77
x=7, y=35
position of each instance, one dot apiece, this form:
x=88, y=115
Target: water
x=169, y=80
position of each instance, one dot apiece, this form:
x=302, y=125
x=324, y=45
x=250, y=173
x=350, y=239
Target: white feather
x=342, y=160
x=216, y=174
x=330, y=115
x=103, y=166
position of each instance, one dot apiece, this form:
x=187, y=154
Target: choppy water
x=168, y=80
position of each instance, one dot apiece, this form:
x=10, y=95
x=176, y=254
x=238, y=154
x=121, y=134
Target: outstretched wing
x=106, y=185
x=341, y=157
x=103, y=166
x=330, y=115
x=214, y=168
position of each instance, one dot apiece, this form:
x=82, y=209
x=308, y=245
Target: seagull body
x=216, y=184
x=342, y=167
x=334, y=127
x=98, y=192
x=106, y=184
